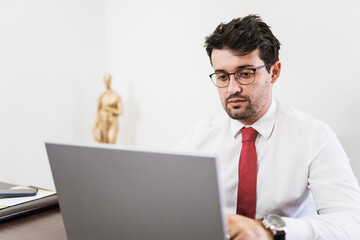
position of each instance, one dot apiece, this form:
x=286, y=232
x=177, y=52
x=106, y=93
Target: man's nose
x=234, y=86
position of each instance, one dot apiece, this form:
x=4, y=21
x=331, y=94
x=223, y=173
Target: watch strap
x=280, y=235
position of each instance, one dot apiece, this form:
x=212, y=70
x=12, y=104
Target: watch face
x=275, y=221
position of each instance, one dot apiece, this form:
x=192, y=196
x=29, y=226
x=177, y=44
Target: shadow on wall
x=352, y=150
x=129, y=120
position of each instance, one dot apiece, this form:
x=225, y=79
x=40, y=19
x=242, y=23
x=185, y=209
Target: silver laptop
x=109, y=192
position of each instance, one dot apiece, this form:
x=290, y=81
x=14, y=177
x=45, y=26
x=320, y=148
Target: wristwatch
x=276, y=225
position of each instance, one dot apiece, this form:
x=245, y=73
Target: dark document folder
x=24, y=206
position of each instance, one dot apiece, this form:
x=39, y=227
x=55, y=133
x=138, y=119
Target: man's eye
x=245, y=74
x=221, y=77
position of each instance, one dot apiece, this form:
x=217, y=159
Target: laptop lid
x=110, y=192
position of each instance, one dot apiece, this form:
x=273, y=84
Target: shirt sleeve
x=336, y=194
x=194, y=138
x=186, y=142
x=298, y=229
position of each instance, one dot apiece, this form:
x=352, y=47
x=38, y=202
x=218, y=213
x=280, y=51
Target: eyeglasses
x=244, y=76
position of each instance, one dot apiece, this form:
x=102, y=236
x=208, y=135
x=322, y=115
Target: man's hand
x=244, y=228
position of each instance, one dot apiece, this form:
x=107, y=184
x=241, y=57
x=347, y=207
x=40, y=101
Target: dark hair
x=244, y=35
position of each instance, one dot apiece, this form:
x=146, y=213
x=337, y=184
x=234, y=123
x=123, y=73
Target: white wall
x=53, y=55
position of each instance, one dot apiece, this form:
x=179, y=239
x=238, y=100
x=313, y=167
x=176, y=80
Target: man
x=273, y=159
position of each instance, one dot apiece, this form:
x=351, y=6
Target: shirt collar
x=264, y=125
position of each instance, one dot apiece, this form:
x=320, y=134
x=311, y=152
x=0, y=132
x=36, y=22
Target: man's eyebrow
x=245, y=66
x=239, y=67
x=219, y=70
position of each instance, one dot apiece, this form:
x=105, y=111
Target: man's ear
x=275, y=71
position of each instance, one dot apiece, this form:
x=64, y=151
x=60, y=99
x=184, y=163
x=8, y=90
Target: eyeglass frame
x=254, y=69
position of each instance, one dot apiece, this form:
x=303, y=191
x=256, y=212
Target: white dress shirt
x=303, y=172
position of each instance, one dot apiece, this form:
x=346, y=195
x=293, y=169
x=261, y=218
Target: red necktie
x=246, y=199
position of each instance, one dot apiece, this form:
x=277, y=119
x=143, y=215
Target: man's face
x=246, y=103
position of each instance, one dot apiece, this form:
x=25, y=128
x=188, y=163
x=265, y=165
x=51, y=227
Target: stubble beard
x=253, y=106
x=241, y=113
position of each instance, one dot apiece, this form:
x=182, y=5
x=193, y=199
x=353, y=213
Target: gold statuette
x=109, y=108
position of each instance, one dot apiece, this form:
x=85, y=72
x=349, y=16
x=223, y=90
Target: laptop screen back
x=122, y=193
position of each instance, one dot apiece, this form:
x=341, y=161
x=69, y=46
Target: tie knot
x=248, y=134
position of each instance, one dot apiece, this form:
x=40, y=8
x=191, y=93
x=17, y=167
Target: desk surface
x=42, y=225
